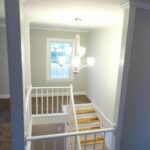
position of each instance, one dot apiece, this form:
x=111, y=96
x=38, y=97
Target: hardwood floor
x=5, y=127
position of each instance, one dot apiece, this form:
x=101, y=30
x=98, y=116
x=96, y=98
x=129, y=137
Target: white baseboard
x=4, y=96
x=89, y=97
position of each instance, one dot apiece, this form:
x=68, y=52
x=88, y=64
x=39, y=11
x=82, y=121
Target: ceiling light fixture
x=76, y=60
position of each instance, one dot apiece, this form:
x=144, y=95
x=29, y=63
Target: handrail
x=44, y=137
x=74, y=110
x=75, y=143
x=55, y=87
x=74, y=114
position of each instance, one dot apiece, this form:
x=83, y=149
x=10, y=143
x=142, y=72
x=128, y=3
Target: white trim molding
x=125, y=4
x=49, y=41
x=126, y=46
x=6, y=96
x=135, y=3
x=42, y=27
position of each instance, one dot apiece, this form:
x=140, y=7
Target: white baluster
x=103, y=144
x=94, y=141
x=75, y=143
x=65, y=139
x=37, y=101
x=55, y=146
x=57, y=100
x=85, y=141
x=67, y=96
x=41, y=101
x=52, y=102
x=47, y=102
x=43, y=145
x=62, y=99
x=32, y=145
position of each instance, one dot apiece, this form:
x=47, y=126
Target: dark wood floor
x=5, y=127
x=52, y=103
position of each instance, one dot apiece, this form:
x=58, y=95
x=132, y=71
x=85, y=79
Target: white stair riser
x=80, y=106
x=88, y=125
x=86, y=115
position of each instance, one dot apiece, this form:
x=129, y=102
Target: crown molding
x=57, y=29
x=135, y=3
x=125, y=4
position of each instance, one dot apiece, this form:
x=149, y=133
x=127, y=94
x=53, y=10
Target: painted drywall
x=4, y=79
x=104, y=46
x=48, y=129
x=136, y=122
x=38, y=58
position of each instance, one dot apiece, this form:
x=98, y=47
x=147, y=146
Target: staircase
x=87, y=120
x=86, y=127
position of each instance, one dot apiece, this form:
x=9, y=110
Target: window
x=55, y=49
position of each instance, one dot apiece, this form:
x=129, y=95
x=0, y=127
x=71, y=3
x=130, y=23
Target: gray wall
x=38, y=58
x=49, y=129
x=104, y=45
x=4, y=79
x=136, y=122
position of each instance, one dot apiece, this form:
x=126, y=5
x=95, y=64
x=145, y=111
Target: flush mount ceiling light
x=76, y=63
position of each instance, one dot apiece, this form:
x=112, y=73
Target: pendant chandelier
x=78, y=53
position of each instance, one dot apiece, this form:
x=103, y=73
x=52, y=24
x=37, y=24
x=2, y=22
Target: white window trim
x=48, y=78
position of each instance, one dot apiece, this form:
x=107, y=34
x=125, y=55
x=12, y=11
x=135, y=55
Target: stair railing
x=28, y=115
x=45, y=97
x=44, y=139
x=73, y=125
x=49, y=100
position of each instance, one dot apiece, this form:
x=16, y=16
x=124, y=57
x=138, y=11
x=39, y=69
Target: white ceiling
x=61, y=13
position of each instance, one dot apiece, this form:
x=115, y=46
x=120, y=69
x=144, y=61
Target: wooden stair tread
x=92, y=142
x=91, y=128
x=91, y=139
x=101, y=148
x=87, y=120
x=85, y=110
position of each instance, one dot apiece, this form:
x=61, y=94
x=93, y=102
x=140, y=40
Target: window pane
x=59, y=49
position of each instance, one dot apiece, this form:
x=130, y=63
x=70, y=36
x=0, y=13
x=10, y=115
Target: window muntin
x=55, y=49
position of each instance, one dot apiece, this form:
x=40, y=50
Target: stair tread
x=87, y=120
x=92, y=142
x=99, y=148
x=91, y=128
x=85, y=110
x=91, y=139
